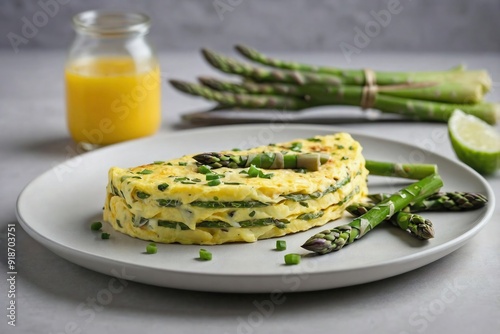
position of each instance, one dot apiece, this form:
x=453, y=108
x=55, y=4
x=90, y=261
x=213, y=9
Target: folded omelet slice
x=171, y=202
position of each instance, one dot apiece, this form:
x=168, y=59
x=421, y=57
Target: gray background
x=278, y=25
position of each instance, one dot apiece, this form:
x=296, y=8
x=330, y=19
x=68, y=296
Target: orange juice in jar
x=113, y=85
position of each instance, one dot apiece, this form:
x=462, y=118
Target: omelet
x=172, y=202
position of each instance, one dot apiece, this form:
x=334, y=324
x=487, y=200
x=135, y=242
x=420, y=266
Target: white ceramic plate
x=57, y=208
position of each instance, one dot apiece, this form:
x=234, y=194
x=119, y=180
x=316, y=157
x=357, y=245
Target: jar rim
x=104, y=22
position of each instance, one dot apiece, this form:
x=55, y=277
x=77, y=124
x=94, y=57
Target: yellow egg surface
x=172, y=202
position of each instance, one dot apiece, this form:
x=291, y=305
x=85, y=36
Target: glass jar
x=113, y=84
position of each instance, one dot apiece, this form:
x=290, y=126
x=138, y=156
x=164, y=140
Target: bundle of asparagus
x=430, y=96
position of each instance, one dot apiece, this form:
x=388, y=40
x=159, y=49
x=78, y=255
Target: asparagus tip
x=180, y=85
x=316, y=245
x=209, y=56
x=243, y=49
x=427, y=232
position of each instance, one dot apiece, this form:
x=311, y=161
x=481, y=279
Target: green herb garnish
x=280, y=245
x=213, y=183
x=142, y=195
x=180, y=179
x=212, y=176
x=296, y=147
x=291, y=259
x=203, y=169
x=163, y=186
x=151, y=248
x=205, y=255
x=96, y=226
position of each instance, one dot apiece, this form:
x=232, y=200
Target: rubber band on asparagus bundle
x=371, y=88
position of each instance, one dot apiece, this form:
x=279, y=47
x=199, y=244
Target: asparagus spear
x=243, y=100
x=267, y=160
x=409, y=171
x=232, y=66
x=382, y=78
x=336, y=238
x=310, y=161
x=442, y=201
x=321, y=95
x=253, y=88
x=416, y=225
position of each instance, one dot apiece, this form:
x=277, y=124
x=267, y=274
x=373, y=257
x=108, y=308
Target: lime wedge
x=475, y=142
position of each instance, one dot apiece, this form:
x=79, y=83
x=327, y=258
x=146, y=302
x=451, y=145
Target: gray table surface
x=459, y=293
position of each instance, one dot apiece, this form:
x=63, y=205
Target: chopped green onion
x=142, y=195
x=196, y=180
x=123, y=178
x=265, y=176
x=304, y=204
x=169, y=164
x=151, y=248
x=340, y=147
x=280, y=245
x=316, y=140
x=179, y=179
x=105, y=236
x=291, y=259
x=212, y=176
x=251, y=214
x=204, y=169
x=188, y=182
x=233, y=183
x=96, y=226
x=183, y=163
x=212, y=183
x=253, y=171
x=163, y=186
x=296, y=147
x=344, y=158
x=145, y=171
x=236, y=149
x=205, y=255
x=158, y=162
